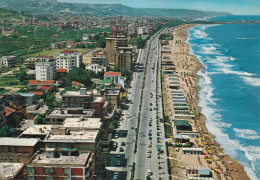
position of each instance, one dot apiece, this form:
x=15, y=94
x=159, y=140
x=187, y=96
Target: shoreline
x=187, y=67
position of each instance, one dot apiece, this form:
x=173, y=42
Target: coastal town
x=90, y=97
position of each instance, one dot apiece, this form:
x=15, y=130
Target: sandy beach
x=186, y=65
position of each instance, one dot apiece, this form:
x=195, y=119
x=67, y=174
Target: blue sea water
x=230, y=87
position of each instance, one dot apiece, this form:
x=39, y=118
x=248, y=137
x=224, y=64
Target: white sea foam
x=240, y=73
x=232, y=58
x=199, y=34
x=251, y=81
x=246, y=133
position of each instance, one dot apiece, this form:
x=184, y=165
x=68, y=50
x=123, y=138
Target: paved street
x=157, y=163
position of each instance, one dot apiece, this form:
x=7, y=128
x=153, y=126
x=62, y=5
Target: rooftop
x=105, y=81
x=75, y=83
x=9, y=141
x=82, y=123
x=80, y=160
x=112, y=73
x=68, y=51
x=38, y=130
x=9, y=170
x=44, y=87
x=76, y=93
x=181, y=123
x=61, y=70
x=66, y=112
x=36, y=92
x=37, y=82
x=8, y=111
x=75, y=137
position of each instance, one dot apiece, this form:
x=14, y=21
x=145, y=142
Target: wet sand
x=222, y=166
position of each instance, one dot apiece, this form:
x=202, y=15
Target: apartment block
x=45, y=68
x=17, y=149
x=68, y=59
x=8, y=61
x=86, y=100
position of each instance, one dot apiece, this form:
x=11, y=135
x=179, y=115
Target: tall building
x=112, y=44
x=45, y=68
x=124, y=57
x=68, y=59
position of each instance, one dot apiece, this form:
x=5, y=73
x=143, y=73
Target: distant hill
x=53, y=6
x=11, y=14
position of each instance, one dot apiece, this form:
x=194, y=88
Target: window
x=9, y=149
x=15, y=148
x=2, y=148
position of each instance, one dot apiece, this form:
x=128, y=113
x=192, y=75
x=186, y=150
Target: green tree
x=5, y=131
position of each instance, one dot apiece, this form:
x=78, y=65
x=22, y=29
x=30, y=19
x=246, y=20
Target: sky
x=237, y=7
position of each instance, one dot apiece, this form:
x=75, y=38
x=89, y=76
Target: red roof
x=118, y=86
x=75, y=83
x=44, y=87
x=67, y=51
x=37, y=82
x=37, y=93
x=8, y=111
x=112, y=73
x=61, y=70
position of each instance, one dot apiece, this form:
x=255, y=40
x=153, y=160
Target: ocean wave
x=199, y=34
x=251, y=81
x=246, y=133
x=245, y=38
x=208, y=49
x=240, y=73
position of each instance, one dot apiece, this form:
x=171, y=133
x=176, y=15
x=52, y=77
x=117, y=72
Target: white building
x=68, y=59
x=142, y=30
x=95, y=68
x=8, y=61
x=45, y=68
x=116, y=77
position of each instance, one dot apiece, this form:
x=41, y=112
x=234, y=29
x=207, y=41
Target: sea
x=230, y=86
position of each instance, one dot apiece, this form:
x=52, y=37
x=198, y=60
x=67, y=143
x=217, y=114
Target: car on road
x=116, y=136
x=150, y=145
x=151, y=104
x=121, y=149
x=150, y=138
x=122, y=143
x=149, y=172
x=128, y=116
x=148, y=155
x=151, y=109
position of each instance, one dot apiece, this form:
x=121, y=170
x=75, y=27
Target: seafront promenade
x=192, y=149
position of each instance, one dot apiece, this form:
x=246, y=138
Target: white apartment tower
x=68, y=59
x=45, y=68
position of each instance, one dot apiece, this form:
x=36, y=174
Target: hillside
x=53, y=6
x=11, y=15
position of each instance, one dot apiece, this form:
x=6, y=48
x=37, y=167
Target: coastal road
x=157, y=163
x=151, y=130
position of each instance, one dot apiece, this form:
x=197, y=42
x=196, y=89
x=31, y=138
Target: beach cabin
x=192, y=151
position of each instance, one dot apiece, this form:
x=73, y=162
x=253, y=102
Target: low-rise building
x=36, y=83
x=8, y=61
x=58, y=115
x=17, y=149
x=115, y=77
x=11, y=170
x=39, y=131
x=30, y=97
x=30, y=63
x=85, y=99
x=45, y=166
x=95, y=68
x=9, y=32
x=99, y=58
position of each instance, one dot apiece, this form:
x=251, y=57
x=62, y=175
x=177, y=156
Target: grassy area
x=4, y=91
x=10, y=80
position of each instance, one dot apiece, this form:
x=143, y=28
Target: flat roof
x=181, y=136
x=9, y=141
x=82, y=123
x=9, y=170
x=181, y=123
x=58, y=112
x=88, y=136
x=75, y=93
x=62, y=160
x=38, y=130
